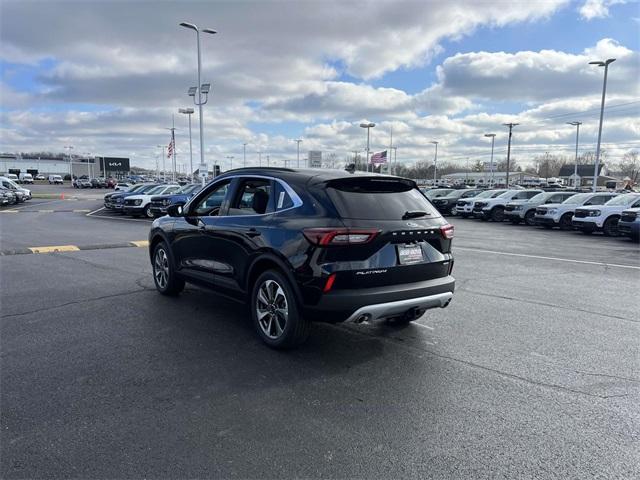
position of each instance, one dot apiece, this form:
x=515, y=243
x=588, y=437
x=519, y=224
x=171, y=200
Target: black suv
x=308, y=245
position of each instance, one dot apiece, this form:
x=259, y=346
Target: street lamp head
x=189, y=25
x=434, y=142
x=574, y=123
x=187, y=111
x=209, y=30
x=192, y=91
x=512, y=124
x=368, y=125
x=204, y=88
x=489, y=134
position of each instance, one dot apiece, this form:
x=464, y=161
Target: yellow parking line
x=58, y=248
x=140, y=243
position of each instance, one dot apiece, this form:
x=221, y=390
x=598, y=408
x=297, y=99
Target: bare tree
x=629, y=166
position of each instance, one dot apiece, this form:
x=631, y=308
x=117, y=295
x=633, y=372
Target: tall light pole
x=230, y=158
x=189, y=112
x=493, y=138
x=575, y=168
x=201, y=89
x=510, y=125
x=368, y=126
x=298, y=146
x=68, y=148
x=259, y=158
x=244, y=154
x=435, y=164
x=604, y=64
x=395, y=161
x=163, y=147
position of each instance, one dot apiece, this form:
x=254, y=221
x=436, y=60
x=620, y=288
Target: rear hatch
x=393, y=234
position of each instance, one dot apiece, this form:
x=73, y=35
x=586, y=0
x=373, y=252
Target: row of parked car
x=11, y=193
x=612, y=213
x=149, y=200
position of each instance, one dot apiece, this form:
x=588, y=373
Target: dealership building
x=77, y=166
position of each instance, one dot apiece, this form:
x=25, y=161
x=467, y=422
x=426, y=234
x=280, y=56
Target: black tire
x=147, y=212
x=610, y=227
x=497, y=214
x=170, y=283
x=530, y=218
x=273, y=327
x=565, y=222
x=452, y=211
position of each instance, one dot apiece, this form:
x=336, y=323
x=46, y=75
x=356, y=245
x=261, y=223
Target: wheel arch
x=269, y=261
x=156, y=237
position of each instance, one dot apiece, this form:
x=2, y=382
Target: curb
x=73, y=248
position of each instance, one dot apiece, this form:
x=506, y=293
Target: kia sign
x=115, y=164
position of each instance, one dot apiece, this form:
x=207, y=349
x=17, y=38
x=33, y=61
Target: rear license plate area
x=409, y=254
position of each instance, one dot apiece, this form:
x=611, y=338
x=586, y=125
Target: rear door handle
x=252, y=232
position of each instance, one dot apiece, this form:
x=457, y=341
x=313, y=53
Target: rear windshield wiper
x=414, y=214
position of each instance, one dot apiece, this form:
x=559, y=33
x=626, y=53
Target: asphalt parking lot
x=532, y=371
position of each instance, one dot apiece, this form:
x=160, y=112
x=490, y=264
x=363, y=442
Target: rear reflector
x=329, y=284
x=339, y=236
x=447, y=231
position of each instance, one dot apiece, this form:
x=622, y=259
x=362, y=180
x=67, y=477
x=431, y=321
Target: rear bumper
x=383, y=302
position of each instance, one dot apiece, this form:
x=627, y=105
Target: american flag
x=380, y=157
x=171, y=147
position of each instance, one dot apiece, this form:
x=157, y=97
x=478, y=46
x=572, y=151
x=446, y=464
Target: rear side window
x=283, y=200
x=378, y=199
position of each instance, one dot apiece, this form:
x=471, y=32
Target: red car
x=111, y=182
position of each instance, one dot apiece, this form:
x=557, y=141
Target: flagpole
x=173, y=141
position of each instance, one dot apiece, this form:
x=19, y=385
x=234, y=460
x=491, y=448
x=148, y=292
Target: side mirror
x=175, y=210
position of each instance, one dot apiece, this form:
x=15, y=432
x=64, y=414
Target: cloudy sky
x=106, y=76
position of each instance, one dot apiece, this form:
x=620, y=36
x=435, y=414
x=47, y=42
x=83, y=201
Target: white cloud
x=591, y=9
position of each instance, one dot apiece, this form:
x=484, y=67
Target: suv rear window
x=377, y=199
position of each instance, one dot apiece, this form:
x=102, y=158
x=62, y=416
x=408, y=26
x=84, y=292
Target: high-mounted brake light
x=339, y=236
x=447, y=231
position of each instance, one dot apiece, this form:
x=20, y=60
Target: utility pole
x=230, y=158
x=510, y=125
x=389, y=163
x=259, y=158
x=575, y=168
x=189, y=112
x=298, y=145
x=69, y=148
x=267, y=160
x=164, y=155
x=604, y=64
x=173, y=147
x=368, y=126
x=244, y=154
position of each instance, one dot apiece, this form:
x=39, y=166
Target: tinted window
x=252, y=198
x=211, y=203
x=283, y=200
x=378, y=199
x=623, y=200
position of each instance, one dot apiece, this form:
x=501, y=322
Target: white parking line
x=555, y=259
x=105, y=217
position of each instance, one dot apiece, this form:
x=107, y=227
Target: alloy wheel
x=161, y=268
x=272, y=309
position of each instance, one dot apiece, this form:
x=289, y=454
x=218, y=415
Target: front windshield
x=539, y=197
x=438, y=192
x=188, y=188
x=623, y=199
x=577, y=199
x=156, y=190
x=507, y=193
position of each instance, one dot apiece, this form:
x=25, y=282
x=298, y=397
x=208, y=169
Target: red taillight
x=339, y=236
x=329, y=284
x=447, y=231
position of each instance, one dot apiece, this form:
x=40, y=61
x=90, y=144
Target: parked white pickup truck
x=560, y=214
x=605, y=217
